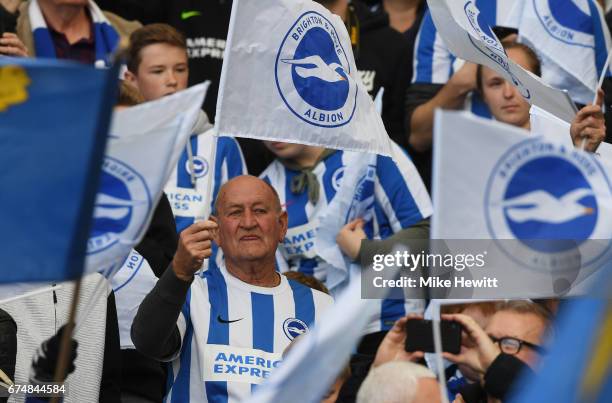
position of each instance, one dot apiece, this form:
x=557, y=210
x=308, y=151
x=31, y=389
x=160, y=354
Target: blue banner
x=54, y=120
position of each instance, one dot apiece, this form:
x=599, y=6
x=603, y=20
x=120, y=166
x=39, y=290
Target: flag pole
x=64, y=352
x=603, y=75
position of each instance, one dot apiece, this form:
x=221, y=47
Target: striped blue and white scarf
x=106, y=39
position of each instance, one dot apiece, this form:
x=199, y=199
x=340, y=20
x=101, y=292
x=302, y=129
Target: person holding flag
x=507, y=105
x=442, y=81
x=225, y=330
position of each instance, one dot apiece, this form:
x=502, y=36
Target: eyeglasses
x=512, y=345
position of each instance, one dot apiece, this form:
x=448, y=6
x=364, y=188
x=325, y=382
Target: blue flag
x=579, y=368
x=54, y=119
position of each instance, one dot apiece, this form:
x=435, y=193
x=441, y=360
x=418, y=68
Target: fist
x=195, y=245
x=350, y=236
x=588, y=128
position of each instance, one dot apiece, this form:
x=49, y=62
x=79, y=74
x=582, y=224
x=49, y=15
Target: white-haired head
x=399, y=382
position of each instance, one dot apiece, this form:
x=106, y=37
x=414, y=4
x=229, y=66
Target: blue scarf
x=106, y=39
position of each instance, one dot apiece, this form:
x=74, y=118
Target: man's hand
x=589, y=126
x=350, y=236
x=11, y=45
x=392, y=348
x=484, y=351
x=195, y=245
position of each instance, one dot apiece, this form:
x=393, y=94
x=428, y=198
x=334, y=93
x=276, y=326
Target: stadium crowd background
x=170, y=45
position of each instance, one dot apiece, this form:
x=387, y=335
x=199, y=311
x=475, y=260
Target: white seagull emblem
x=540, y=205
x=112, y=207
x=321, y=70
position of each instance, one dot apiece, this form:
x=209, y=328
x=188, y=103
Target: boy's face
x=163, y=70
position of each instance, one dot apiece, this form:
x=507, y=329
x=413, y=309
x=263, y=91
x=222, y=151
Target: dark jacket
x=382, y=56
x=499, y=380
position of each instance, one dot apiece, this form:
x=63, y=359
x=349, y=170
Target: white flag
x=469, y=37
x=144, y=144
x=354, y=199
x=572, y=40
x=319, y=356
x=289, y=75
x=548, y=125
x=541, y=205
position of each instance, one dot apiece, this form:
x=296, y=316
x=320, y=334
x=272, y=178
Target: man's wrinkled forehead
x=247, y=191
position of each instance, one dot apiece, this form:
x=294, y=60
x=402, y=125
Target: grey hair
x=393, y=382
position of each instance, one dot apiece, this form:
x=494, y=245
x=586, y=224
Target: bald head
x=248, y=181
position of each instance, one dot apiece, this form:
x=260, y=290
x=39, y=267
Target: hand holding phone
x=484, y=350
x=392, y=346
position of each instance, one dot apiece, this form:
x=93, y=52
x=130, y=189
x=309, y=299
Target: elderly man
x=225, y=329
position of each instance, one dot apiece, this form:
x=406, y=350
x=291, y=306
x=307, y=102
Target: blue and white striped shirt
x=400, y=200
x=233, y=335
x=187, y=198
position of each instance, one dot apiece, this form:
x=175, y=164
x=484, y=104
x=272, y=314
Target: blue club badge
x=545, y=195
x=312, y=73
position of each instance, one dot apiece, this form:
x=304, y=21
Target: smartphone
x=419, y=336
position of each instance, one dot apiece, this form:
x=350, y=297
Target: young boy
x=158, y=66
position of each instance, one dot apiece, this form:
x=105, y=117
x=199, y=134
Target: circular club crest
x=116, y=210
x=337, y=178
x=294, y=327
x=200, y=166
x=566, y=21
x=543, y=195
x=312, y=73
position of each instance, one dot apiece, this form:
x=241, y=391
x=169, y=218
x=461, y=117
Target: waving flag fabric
x=572, y=40
x=467, y=34
x=52, y=145
x=289, y=75
x=145, y=143
x=545, y=206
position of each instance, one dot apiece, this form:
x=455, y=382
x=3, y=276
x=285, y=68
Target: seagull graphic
x=297, y=330
x=540, y=205
x=314, y=66
x=112, y=207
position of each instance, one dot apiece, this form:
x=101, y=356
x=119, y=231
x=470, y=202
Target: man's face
x=251, y=223
x=163, y=70
x=504, y=100
x=524, y=326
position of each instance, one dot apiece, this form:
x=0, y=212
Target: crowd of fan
x=501, y=340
